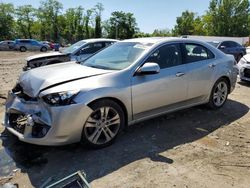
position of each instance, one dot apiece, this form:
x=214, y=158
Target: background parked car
x=230, y=47
x=248, y=50
x=244, y=68
x=76, y=52
x=30, y=44
x=7, y=45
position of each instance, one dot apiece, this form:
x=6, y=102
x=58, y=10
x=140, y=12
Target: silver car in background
x=30, y=44
x=77, y=52
x=131, y=81
x=6, y=45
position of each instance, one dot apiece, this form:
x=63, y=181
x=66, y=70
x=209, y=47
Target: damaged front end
x=33, y=120
x=46, y=60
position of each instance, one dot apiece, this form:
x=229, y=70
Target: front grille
x=18, y=122
x=247, y=73
x=18, y=91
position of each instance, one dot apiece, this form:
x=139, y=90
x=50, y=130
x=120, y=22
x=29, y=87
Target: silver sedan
x=128, y=82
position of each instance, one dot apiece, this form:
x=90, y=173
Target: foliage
x=228, y=18
x=49, y=22
x=25, y=20
x=121, y=25
x=6, y=21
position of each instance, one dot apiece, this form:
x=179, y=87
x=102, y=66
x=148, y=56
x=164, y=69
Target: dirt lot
x=196, y=147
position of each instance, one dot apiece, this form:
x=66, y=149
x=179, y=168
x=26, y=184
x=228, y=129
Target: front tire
x=23, y=49
x=219, y=94
x=103, y=125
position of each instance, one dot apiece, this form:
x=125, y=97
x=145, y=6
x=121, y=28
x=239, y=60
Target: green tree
x=161, y=33
x=25, y=20
x=48, y=14
x=228, y=18
x=189, y=24
x=98, y=19
x=121, y=25
x=6, y=21
x=185, y=24
x=87, y=19
x=73, y=24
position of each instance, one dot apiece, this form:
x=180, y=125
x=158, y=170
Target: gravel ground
x=196, y=147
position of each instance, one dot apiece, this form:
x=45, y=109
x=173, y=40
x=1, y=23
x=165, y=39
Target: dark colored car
x=30, y=44
x=7, y=45
x=230, y=47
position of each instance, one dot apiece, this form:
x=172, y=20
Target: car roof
x=99, y=40
x=158, y=40
x=7, y=41
x=27, y=39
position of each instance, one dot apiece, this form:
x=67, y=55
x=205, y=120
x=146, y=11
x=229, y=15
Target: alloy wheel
x=220, y=93
x=102, y=125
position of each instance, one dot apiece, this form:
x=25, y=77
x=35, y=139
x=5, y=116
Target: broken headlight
x=60, y=99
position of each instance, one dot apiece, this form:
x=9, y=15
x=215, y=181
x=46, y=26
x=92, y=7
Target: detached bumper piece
x=76, y=180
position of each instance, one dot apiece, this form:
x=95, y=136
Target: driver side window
x=91, y=48
x=166, y=56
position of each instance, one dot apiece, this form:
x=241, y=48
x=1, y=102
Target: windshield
x=73, y=47
x=215, y=44
x=118, y=56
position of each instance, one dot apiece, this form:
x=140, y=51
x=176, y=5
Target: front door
x=152, y=94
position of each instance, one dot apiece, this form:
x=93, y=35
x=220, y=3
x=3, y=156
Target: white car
x=244, y=68
x=76, y=52
x=248, y=50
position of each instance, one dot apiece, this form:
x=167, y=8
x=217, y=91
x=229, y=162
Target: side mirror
x=148, y=68
x=222, y=47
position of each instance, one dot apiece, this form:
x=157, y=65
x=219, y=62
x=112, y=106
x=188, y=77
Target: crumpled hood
x=44, y=55
x=35, y=80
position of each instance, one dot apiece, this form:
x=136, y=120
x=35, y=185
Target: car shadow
x=244, y=83
x=144, y=140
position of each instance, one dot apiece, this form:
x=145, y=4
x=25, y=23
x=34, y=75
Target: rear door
x=35, y=45
x=200, y=63
x=153, y=94
x=4, y=46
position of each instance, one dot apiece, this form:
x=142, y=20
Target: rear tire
x=219, y=94
x=103, y=125
x=23, y=49
x=43, y=49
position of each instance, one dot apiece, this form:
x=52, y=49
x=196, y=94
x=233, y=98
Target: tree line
x=50, y=22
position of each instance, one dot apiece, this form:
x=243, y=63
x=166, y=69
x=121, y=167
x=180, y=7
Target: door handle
x=179, y=74
x=212, y=65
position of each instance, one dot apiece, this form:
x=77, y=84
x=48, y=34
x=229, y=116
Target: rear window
x=196, y=52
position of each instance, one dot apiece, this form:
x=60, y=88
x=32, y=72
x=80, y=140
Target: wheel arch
x=119, y=102
x=228, y=81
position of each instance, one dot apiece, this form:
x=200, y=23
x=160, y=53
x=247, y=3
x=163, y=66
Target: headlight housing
x=243, y=61
x=61, y=98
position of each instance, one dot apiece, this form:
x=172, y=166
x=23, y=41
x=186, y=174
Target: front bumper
x=244, y=72
x=65, y=123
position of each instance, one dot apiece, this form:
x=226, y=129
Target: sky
x=150, y=15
